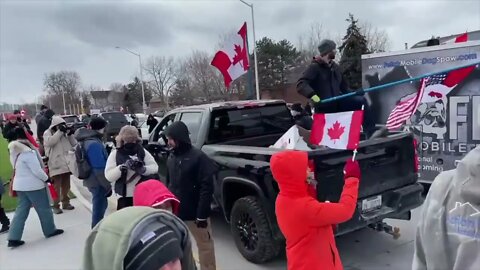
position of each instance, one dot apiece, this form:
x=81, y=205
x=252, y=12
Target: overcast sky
x=46, y=36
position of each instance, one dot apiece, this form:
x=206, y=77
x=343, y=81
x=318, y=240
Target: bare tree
x=62, y=87
x=309, y=40
x=377, y=40
x=161, y=75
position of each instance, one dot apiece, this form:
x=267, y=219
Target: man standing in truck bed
x=323, y=79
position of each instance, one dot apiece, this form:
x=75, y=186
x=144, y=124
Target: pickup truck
x=237, y=136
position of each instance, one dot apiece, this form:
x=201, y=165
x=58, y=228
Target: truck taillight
x=417, y=163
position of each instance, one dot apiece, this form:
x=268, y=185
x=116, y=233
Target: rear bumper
x=396, y=203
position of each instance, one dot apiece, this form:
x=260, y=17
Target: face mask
x=129, y=146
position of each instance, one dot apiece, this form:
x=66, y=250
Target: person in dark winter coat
x=97, y=184
x=151, y=123
x=323, y=79
x=43, y=124
x=40, y=114
x=190, y=175
x=301, y=118
x=305, y=222
x=13, y=122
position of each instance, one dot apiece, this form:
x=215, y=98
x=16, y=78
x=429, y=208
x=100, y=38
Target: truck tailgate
x=386, y=164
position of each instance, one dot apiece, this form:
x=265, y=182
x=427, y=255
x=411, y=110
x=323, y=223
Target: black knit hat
x=43, y=107
x=97, y=123
x=154, y=249
x=326, y=46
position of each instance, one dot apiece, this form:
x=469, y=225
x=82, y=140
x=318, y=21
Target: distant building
x=473, y=35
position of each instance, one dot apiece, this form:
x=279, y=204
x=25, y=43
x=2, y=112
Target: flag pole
x=356, y=151
x=378, y=87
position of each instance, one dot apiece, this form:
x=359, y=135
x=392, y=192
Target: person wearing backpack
x=90, y=143
x=129, y=164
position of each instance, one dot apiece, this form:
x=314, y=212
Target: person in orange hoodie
x=305, y=222
x=153, y=193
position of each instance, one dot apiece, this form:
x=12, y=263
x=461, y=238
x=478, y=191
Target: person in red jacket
x=305, y=222
x=153, y=193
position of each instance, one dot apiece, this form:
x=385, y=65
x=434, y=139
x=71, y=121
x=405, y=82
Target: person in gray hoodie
x=91, y=141
x=139, y=238
x=448, y=235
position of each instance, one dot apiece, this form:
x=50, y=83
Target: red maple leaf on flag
x=239, y=53
x=336, y=131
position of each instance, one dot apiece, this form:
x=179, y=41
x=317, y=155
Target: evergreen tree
x=353, y=46
x=275, y=59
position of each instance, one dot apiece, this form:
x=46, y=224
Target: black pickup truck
x=237, y=135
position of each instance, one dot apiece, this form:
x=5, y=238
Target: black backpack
x=78, y=162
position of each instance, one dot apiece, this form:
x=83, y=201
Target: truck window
x=162, y=126
x=192, y=120
x=236, y=123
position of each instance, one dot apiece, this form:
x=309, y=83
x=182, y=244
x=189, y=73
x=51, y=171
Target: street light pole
x=257, y=88
x=144, y=104
x=64, y=107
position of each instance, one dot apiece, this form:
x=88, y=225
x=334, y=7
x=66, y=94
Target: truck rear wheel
x=251, y=231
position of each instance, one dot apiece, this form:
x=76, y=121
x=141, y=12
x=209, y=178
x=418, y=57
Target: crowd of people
x=156, y=219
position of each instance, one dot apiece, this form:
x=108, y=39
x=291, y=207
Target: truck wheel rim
x=247, y=231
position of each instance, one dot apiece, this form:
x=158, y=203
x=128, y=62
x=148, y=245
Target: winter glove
x=49, y=180
x=71, y=131
x=123, y=168
x=352, y=169
x=315, y=98
x=141, y=170
x=201, y=223
x=62, y=128
x=133, y=164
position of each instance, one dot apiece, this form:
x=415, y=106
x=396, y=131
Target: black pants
x=3, y=217
x=350, y=104
x=123, y=202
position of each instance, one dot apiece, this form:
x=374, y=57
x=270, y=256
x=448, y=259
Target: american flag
x=405, y=108
x=433, y=88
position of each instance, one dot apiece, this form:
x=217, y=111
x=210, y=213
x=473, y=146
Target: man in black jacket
x=42, y=125
x=190, y=177
x=323, y=79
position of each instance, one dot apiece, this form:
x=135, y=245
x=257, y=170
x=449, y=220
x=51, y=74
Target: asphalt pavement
x=361, y=250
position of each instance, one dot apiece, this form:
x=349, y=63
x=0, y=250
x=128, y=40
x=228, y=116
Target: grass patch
x=5, y=173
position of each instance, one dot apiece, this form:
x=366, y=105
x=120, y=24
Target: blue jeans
x=99, y=203
x=39, y=200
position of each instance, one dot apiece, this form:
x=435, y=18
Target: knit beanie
x=97, y=123
x=326, y=46
x=155, y=246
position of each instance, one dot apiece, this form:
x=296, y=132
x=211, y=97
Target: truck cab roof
x=229, y=104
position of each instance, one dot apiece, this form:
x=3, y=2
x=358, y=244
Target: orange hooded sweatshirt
x=305, y=222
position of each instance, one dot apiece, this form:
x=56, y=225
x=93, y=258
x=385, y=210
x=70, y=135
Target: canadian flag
x=337, y=130
x=232, y=59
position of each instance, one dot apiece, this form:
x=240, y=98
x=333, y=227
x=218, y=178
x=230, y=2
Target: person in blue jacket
x=91, y=138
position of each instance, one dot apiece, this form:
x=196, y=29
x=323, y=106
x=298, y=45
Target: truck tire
x=251, y=231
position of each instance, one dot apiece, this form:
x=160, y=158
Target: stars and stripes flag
x=431, y=89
